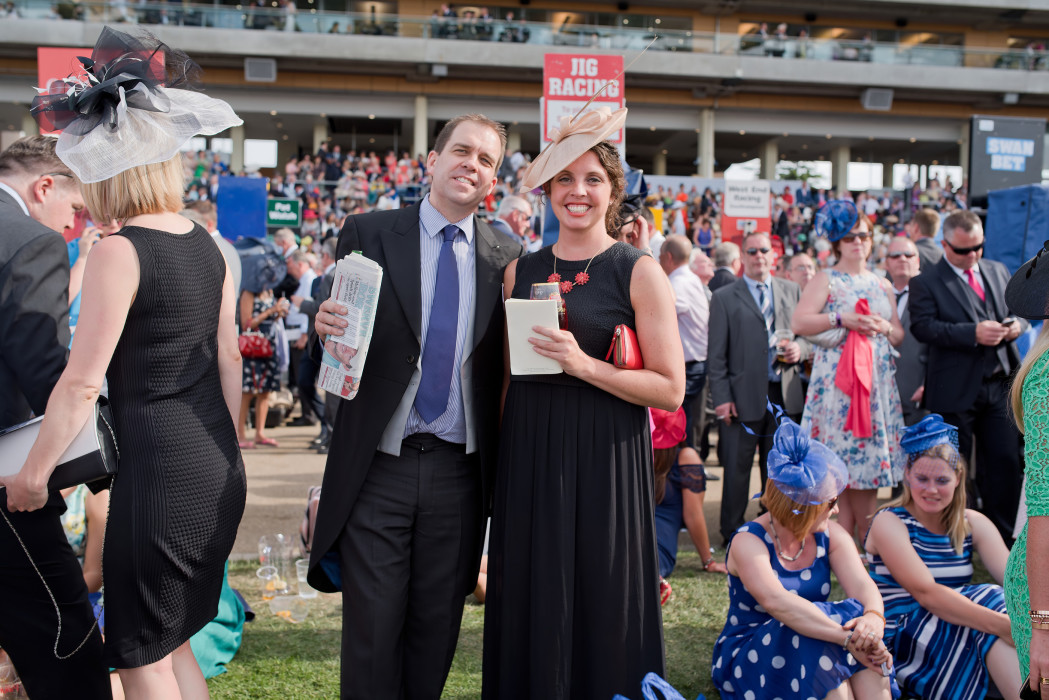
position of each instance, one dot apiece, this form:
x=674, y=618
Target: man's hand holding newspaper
x=345, y=322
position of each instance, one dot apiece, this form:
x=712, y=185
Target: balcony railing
x=277, y=16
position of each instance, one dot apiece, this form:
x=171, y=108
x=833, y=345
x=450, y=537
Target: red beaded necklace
x=581, y=278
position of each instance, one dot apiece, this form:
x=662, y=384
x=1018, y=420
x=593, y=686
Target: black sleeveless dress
x=179, y=494
x=572, y=607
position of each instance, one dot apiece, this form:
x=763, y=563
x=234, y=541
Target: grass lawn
x=281, y=660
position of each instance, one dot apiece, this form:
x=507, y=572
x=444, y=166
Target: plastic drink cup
x=302, y=567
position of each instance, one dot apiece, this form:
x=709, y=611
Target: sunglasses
x=831, y=503
x=755, y=251
x=908, y=254
x=964, y=251
x=855, y=236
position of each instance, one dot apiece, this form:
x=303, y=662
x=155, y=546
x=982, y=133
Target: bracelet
x=1039, y=625
x=874, y=612
x=1039, y=613
x=848, y=638
x=707, y=563
x=830, y=319
x=837, y=320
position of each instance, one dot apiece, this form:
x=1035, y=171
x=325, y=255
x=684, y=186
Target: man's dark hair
x=446, y=132
x=32, y=155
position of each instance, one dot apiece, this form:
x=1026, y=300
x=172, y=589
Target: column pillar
x=513, y=139
x=768, y=152
x=839, y=161
x=320, y=135
x=659, y=163
x=886, y=174
x=420, y=130
x=236, y=159
x=963, y=153
x=29, y=125
x=706, y=143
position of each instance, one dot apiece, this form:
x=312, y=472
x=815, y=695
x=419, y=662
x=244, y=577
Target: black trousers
x=997, y=471
x=409, y=557
x=28, y=625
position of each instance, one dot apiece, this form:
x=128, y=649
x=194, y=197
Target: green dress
x=1036, y=454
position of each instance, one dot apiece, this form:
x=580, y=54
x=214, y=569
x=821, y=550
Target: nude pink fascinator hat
x=576, y=136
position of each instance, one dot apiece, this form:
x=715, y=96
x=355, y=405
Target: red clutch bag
x=625, y=352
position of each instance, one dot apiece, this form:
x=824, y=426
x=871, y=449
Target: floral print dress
x=878, y=460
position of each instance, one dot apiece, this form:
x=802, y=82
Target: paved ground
x=278, y=478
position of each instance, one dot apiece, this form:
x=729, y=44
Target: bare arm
x=229, y=349
x=988, y=543
x=96, y=507
x=662, y=381
x=110, y=283
x=889, y=539
x=846, y=564
x=894, y=329
x=810, y=318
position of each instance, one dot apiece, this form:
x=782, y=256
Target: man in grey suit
x=513, y=218
x=902, y=264
x=747, y=366
x=412, y=458
x=39, y=196
x=922, y=230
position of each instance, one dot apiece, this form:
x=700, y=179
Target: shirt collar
x=753, y=284
x=18, y=199
x=960, y=272
x=433, y=221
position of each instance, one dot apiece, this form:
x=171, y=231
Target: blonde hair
x=1038, y=348
x=799, y=519
x=143, y=189
x=953, y=516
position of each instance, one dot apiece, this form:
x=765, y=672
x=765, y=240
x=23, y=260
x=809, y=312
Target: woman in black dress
x=157, y=319
x=573, y=596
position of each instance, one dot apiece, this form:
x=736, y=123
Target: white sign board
x=747, y=199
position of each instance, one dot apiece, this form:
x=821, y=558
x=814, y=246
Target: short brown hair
x=927, y=222
x=963, y=219
x=609, y=157
x=799, y=519
x=32, y=155
x=204, y=207
x=446, y=133
x=862, y=218
x=143, y=189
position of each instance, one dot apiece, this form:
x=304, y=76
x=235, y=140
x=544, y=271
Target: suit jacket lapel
x=991, y=290
x=402, y=264
x=957, y=288
x=488, y=278
x=747, y=299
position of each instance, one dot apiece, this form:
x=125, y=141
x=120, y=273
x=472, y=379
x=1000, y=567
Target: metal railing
x=271, y=16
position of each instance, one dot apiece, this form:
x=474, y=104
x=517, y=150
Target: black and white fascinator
x=135, y=103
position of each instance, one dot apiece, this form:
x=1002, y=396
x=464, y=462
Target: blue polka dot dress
x=759, y=657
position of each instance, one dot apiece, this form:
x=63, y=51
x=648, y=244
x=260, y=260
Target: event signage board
x=241, y=204
x=283, y=212
x=746, y=208
x=569, y=80
x=1004, y=152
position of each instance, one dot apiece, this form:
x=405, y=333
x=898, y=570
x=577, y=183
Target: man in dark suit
x=412, y=457
x=922, y=230
x=39, y=195
x=958, y=310
x=744, y=371
x=901, y=264
x=726, y=259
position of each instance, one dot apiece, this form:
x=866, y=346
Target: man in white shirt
x=693, y=314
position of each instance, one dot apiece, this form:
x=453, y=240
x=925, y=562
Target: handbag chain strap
x=58, y=612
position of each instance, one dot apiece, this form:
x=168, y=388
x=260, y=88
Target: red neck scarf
x=854, y=377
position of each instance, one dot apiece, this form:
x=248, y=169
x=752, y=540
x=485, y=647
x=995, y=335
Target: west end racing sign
x=570, y=80
x=283, y=212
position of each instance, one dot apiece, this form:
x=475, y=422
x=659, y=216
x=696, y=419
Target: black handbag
x=91, y=458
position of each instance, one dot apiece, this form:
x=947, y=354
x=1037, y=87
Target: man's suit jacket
x=929, y=252
x=34, y=312
x=738, y=349
x=391, y=238
x=722, y=276
x=944, y=317
x=910, y=365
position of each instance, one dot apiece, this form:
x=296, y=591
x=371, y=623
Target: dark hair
x=32, y=155
x=446, y=133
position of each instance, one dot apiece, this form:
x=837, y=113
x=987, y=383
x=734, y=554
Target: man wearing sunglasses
x=957, y=308
x=748, y=364
x=902, y=263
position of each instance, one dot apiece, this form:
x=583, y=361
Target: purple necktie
x=439, y=351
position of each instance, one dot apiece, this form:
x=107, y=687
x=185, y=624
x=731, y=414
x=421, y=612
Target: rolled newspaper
x=356, y=287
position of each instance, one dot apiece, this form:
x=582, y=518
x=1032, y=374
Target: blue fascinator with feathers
x=836, y=218
x=804, y=470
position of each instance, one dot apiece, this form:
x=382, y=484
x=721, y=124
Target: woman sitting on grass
x=947, y=635
x=782, y=638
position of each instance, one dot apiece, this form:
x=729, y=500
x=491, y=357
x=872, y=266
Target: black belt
x=426, y=442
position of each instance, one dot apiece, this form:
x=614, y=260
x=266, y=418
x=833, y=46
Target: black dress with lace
x=572, y=608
